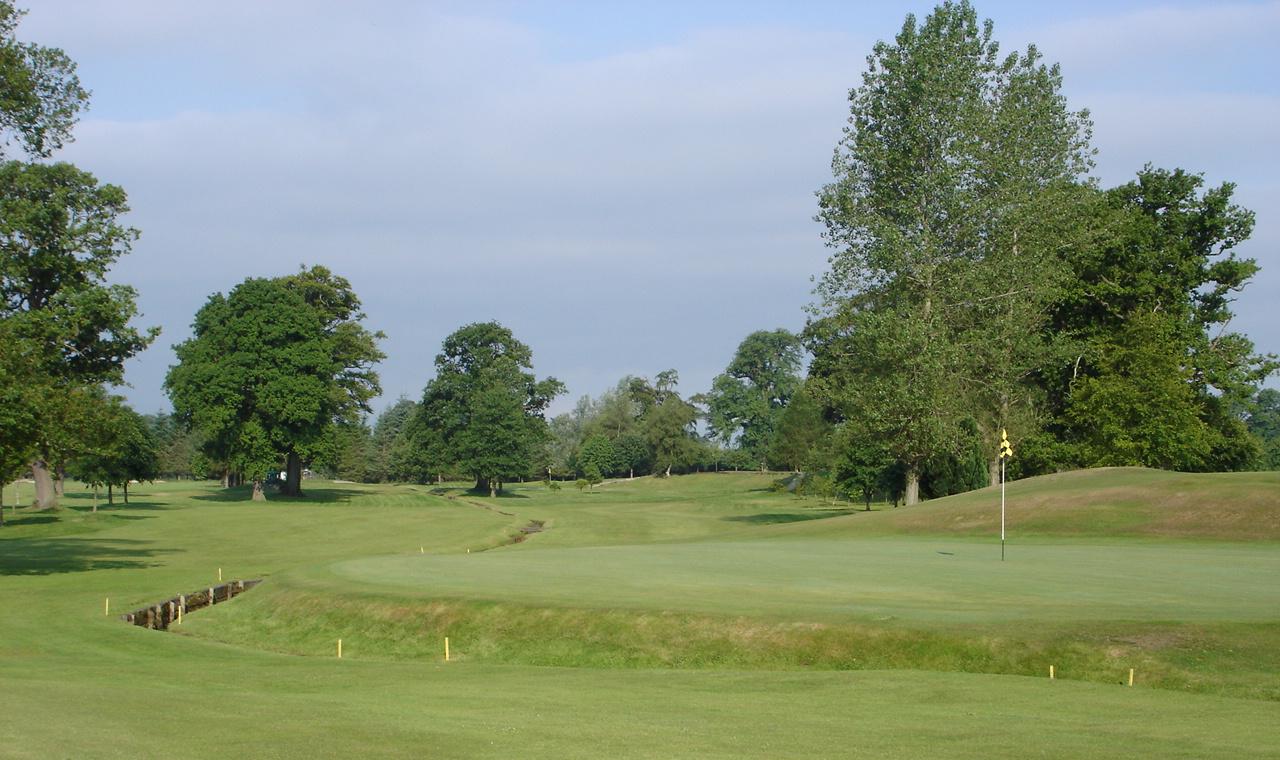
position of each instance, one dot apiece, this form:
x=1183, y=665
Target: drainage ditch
x=161, y=615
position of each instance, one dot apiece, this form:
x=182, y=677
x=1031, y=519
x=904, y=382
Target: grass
x=698, y=617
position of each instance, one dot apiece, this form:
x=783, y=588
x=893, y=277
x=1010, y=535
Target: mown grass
x=740, y=673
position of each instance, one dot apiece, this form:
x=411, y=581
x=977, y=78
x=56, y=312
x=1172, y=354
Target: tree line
x=980, y=281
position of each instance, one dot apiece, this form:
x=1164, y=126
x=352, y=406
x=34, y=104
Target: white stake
x=1002, y=509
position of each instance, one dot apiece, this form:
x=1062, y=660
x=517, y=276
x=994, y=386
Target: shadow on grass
x=309, y=495
x=48, y=556
x=774, y=518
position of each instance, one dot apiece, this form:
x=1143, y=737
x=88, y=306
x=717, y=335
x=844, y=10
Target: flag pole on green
x=1006, y=452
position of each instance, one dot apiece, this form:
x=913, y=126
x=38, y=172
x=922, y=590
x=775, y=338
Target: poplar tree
x=947, y=156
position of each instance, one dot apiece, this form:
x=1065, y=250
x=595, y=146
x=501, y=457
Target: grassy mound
x=1106, y=502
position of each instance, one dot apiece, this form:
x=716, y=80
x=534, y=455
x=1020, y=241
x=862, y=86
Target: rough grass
x=1107, y=502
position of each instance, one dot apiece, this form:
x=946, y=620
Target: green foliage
x=255, y=377
x=798, y=442
x=668, y=427
x=947, y=159
x=748, y=399
x=41, y=96
x=598, y=456
x=483, y=412
x=861, y=463
x=1264, y=422
x=1160, y=378
x=391, y=447
x=119, y=446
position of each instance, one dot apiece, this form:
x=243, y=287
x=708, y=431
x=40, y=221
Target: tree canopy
x=482, y=414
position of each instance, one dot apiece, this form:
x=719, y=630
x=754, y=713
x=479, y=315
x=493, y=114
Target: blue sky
x=629, y=187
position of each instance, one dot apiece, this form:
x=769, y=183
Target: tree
x=121, y=450
x=668, y=426
x=40, y=94
x=1140, y=408
x=747, y=400
x=598, y=455
x=633, y=453
x=862, y=463
x=483, y=412
x=256, y=377
x=354, y=352
x=389, y=441
x=1149, y=305
x=64, y=327
x=800, y=432
x=946, y=146
x=1264, y=422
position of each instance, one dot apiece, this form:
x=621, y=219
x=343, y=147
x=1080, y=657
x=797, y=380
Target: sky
x=627, y=187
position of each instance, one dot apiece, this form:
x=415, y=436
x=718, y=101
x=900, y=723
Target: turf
x=747, y=576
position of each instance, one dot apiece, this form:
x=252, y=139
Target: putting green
x=923, y=580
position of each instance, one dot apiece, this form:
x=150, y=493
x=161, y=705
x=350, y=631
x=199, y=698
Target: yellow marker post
x=339, y=649
x=446, y=648
x=1051, y=673
x=1131, y=676
x=219, y=575
x=422, y=550
x=106, y=606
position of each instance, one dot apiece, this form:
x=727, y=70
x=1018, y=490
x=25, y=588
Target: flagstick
x=1002, y=509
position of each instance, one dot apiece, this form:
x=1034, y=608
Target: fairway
x=701, y=616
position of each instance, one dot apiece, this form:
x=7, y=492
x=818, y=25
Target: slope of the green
x=1100, y=503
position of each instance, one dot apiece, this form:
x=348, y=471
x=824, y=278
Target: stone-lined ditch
x=160, y=615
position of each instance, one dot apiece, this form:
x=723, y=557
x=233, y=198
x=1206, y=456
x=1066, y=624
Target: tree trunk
x=482, y=484
x=493, y=488
x=258, y=495
x=667, y=474
x=126, y=492
x=913, y=487
x=632, y=475
x=110, y=496
x=60, y=484
x=95, y=500
x=46, y=497
x=226, y=477
x=993, y=472
x=292, y=475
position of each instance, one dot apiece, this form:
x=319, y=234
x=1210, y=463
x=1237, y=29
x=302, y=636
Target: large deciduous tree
x=1158, y=374
x=746, y=401
x=62, y=328
x=255, y=377
x=482, y=413
x=354, y=352
x=937, y=197
x=40, y=94
x=65, y=327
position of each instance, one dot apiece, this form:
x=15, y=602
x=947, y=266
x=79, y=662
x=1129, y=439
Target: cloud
x=625, y=212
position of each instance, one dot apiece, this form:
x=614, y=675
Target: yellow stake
x=422, y=550
x=339, y=649
x=1131, y=676
x=219, y=575
x=1050, y=672
x=446, y=648
x=106, y=606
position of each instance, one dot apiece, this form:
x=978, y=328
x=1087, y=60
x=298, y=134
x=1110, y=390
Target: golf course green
x=697, y=616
